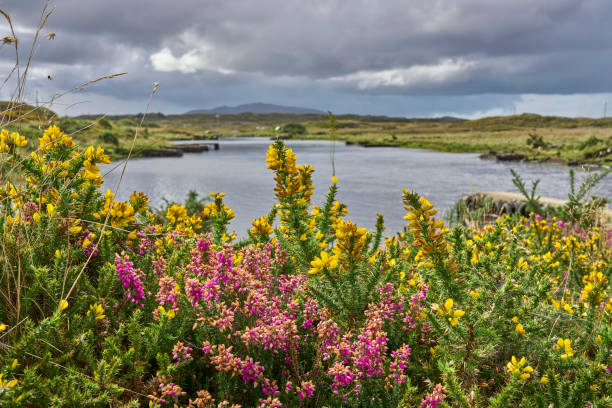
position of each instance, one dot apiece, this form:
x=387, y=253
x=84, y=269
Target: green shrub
x=126, y=122
x=105, y=123
x=590, y=142
x=536, y=141
x=71, y=125
x=294, y=128
x=109, y=137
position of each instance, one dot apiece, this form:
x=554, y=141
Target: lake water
x=370, y=179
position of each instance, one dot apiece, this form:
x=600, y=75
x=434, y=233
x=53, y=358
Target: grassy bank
x=538, y=138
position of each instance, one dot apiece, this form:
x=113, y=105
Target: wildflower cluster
x=11, y=141
x=447, y=311
x=517, y=367
x=130, y=307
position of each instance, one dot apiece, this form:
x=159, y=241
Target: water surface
x=370, y=179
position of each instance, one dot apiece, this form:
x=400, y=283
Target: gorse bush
x=536, y=141
x=71, y=125
x=106, y=303
x=105, y=123
x=590, y=142
x=109, y=137
x=294, y=128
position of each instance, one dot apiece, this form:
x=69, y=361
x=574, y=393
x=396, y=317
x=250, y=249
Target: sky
x=418, y=58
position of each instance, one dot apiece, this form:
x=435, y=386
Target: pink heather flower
x=169, y=389
x=310, y=313
x=204, y=245
x=306, y=390
x=269, y=389
x=399, y=363
x=180, y=352
x=159, y=266
x=435, y=398
x=146, y=243
x=270, y=402
x=167, y=295
x=193, y=290
x=251, y=370
x=342, y=376
x=416, y=306
x=131, y=279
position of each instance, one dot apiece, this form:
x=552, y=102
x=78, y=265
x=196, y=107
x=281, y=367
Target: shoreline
x=175, y=148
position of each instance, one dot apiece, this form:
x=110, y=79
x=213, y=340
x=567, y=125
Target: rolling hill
x=258, y=108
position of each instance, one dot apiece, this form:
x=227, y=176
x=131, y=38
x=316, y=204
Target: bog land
x=573, y=141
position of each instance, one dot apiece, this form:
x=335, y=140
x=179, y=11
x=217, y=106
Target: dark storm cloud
x=204, y=51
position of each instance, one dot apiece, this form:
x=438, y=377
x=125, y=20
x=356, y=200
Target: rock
x=191, y=147
x=606, y=151
x=508, y=208
x=488, y=156
x=509, y=157
x=161, y=153
x=492, y=155
x=370, y=144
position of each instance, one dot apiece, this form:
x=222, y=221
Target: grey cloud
x=236, y=51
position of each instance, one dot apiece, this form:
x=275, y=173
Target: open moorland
x=521, y=137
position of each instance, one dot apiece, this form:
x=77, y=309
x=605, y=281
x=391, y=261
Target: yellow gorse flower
x=176, y=213
x=6, y=385
x=121, y=212
x=520, y=329
x=515, y=367
x=350, y=243
x=93, y=157
x=53, y=138
x=170, y=312
x=139, y=201
x=14, y=139
x=323, y=261
x=97, y=311
x=427, y=231
x=293, y=183
x=595, y=284
x=51, y=210
x=217, y=208
x=447, y=310
x=566, y=346
x=261, y=227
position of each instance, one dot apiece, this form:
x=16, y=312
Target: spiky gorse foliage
x=107, y=304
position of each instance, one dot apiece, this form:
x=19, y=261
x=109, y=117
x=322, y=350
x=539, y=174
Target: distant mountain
x=451, y=118
x=258, y=107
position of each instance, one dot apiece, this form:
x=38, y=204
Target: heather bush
x=106, y=303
